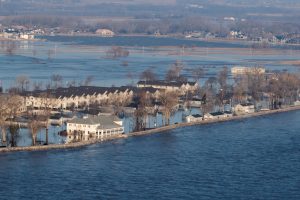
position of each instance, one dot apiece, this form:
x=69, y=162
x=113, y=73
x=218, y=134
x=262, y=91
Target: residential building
x=83, y=96
x=183, y=87
x=105, y=33
x=74, y=97
x=239, y=70
x=100, y=126
x=244, y=108
x=25, y=36
x=194, y=118
x=297, y=103
x=218, y=115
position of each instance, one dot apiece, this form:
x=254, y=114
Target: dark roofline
x=75, y=91
x=166, y=83
x=247, y=104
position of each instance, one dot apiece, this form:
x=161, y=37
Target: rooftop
x=247, y=104
x=83, y=91
x=75, y=91
x=166, y=83
x=105, y=121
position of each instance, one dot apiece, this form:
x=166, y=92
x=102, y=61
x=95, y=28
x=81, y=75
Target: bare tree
x=174, y=73
x=37, y=85
x=4, y=114
x=34, y=127
x=239, y=89
x=169, y=100
x=14, y=131
x=57, y=80
x=47, y=103
x=88, y=80
x=117, y=52
x=14, y=104
x=144, y=103
x=22, y=82
x=207, y=102
x=197, y=74
x=72, y=83
x=148, y=75
x=222, y=80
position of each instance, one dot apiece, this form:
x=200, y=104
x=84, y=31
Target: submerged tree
x=4, y=114
x=143, y=101
x=174, y=73
x=14, y=131
x=47, y=103
x=22, y=82
x=197, y=74
x=223, y=88
x=117, y=52
x=148, y=75
x=88, y=80
x=34, y=127
x=168, y=100
x=56, y=80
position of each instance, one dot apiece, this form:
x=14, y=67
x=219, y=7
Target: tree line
x=277, y=89
x=251, y=28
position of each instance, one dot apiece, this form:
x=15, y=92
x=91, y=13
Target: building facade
x=101, y=126
x=183, y=87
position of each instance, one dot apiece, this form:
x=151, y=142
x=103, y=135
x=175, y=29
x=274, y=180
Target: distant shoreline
x=246, y=43
x=142, y=133
x=21, y=40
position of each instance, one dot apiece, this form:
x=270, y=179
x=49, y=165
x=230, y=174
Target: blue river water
x=256, y=158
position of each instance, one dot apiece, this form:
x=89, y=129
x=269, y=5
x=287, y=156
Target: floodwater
x=75, y=58
x=257, y=158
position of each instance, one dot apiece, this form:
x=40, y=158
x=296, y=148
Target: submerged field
x=78, y=58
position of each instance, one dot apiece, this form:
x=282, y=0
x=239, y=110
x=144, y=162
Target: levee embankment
x=146, y=132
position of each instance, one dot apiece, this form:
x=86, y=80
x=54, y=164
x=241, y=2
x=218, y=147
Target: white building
x=239, y=70
x=208, y=116
x=74, y=97
x=25, y=36
x=245, y=108
x=194, y=118
x=183, y=87
x=99, y=127
x=105, y=33
x=297, y=103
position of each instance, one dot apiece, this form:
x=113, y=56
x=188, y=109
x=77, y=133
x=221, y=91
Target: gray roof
x=76, y=91
x=105, y=121
x=166, y=83
x=83, y=90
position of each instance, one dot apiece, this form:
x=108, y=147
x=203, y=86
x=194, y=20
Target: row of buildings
x=14, y=34
x=75, y=97
x=99, y=126
x=240, y=109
